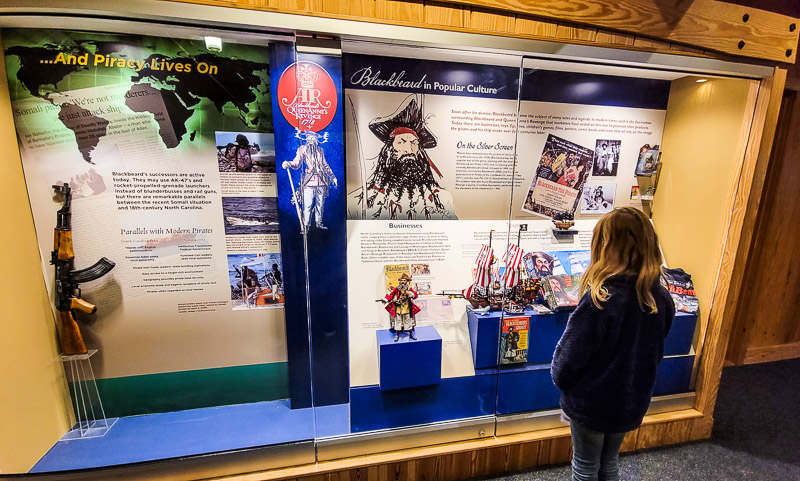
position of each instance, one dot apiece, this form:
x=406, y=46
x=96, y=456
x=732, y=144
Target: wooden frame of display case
x=467, y=23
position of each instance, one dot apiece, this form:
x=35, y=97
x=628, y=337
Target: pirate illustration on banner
x=403, y=183
x=315, y=181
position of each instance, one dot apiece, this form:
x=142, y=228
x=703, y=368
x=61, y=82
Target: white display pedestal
x=90, y=416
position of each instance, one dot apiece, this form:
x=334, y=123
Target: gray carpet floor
x=756, y=435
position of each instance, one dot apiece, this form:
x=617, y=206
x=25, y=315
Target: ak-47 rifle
x=68, y=294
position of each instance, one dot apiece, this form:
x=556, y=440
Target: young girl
x=605, y=363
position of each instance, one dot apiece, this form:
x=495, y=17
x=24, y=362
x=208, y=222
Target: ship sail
x=513, y=261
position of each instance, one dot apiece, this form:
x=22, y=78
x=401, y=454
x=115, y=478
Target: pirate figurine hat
x=407, y=119
x=404, y=277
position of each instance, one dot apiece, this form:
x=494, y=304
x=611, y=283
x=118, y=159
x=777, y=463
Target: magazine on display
x=563, y=169
x=561, y=291
x=649, y=158
x=680, y=287
x=393, y=272
x=514, y=340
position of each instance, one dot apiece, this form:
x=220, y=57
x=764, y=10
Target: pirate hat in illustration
x=407, y=119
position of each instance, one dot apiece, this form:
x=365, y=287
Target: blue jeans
x=595, y=455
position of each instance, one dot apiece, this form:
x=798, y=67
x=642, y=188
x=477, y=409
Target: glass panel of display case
x=157, y=156
x=428, y=158
x=591, y=139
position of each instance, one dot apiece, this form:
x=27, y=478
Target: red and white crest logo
x=307, y=96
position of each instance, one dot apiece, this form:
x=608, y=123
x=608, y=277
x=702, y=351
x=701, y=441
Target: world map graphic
x=236, y=89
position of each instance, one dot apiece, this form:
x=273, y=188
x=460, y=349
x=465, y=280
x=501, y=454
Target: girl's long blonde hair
x=624, y=243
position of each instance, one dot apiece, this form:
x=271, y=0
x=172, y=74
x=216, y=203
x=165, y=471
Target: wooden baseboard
x=755, y=355
x=489, y=456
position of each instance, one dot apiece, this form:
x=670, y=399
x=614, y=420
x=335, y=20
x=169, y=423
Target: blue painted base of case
x=407, y=362
x=453, y=398
x=674, y=375
x=527, y=388
x=679, y=339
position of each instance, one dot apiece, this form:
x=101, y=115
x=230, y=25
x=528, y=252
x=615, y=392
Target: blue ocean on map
x=250, y=215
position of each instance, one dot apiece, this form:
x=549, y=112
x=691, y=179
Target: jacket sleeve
x=585, y=331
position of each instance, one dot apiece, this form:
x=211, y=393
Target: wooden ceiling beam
x=707, y=24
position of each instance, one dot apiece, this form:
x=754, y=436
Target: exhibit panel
x=153, y=160
x=474, y=181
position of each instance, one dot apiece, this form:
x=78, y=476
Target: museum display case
x=330, y=242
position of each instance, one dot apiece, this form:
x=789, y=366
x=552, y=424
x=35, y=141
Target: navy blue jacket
x=605, y=363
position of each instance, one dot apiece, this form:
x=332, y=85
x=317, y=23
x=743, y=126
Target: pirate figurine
x=404, y=183
x=316, y=179
x=401, y=308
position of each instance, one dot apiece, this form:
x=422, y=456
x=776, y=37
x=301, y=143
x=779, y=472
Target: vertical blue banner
x=309, y=149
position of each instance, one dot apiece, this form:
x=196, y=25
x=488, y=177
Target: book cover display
x=392, y=274
x=561, y=291
x=649, y=158
x=514, y=340
x=681, y=288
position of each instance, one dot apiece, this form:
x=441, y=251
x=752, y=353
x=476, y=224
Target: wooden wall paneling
x=536, y=28
x=651, y=44
x=737, y=244
x=573, y=32
x=612, y=38
x=438, y=13
x=560, y=450
x=362, y=9
x=701, y=428
x=650, y=436
x=793, y=76
x=401, y=11
x=773, y=304
x=337, y=7
x=294, y=5
x=676, y=432
x=746, y=309
x=777, y=352
x=768, y=319
x=708, y=24
x=492, y=21
x=497, y=459
x=629, y=443
x=461, y=465
x=445, y=15
x=487, y=456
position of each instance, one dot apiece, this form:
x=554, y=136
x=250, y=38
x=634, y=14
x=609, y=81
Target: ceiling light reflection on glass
x=585, y=89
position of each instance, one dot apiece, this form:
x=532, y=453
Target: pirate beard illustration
x=403, y=183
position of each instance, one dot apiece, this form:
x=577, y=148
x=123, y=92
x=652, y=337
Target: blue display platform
x=160, y=436
x=680, y=337
x=484, y=332
x=407, y=362
x=543, y=335
x=674, y=375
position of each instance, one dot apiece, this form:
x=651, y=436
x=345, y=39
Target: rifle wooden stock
x=63, y=244
x=70, y=335
x=82, y=305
